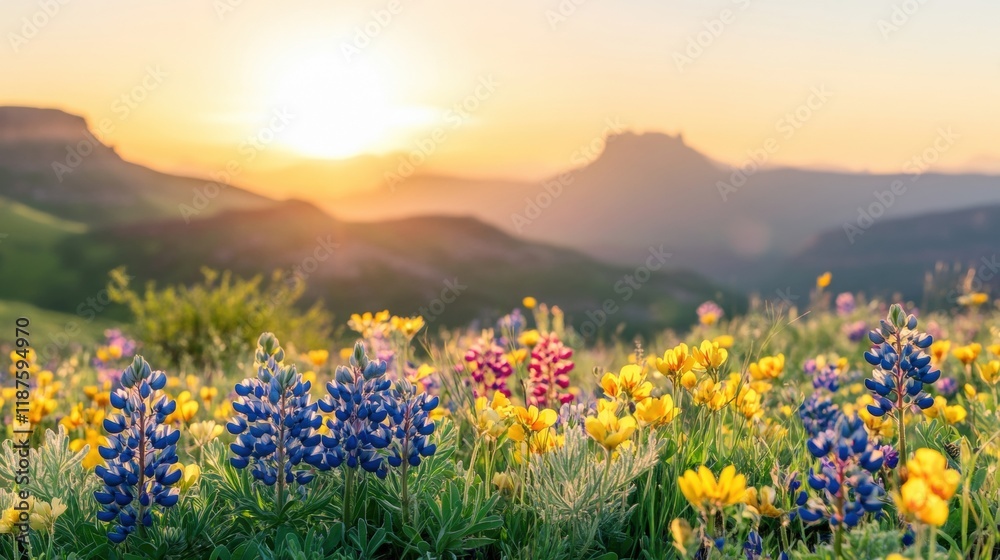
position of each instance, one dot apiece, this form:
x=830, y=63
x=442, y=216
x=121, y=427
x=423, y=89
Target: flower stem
x=281, y=460
x=142, y=464
x=349, y=496
x=405, y=493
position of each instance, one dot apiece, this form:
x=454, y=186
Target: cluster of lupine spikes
x=489, y=366
x=818, y=414
x=549, y=372
x=277, y=430
x=902, y=366
x=409, y=413
x=140, y=452
x=360, y=400
x=276, y=424
x=844, y=483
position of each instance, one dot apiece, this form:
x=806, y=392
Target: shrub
x=212, y=324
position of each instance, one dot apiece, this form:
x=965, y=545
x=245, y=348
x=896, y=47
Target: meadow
x=222, y=423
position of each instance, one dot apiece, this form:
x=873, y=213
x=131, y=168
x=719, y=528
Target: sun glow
x=339, y=110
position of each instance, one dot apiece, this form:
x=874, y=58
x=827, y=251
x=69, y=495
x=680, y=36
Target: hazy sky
x=538, y=79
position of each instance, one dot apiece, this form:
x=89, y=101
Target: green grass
x=51, y=328
x=30, y=268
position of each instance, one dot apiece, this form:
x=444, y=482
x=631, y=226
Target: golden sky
x=514, y=89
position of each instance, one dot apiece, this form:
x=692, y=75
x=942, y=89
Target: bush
x=210, y=325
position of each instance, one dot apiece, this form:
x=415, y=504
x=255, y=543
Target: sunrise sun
x=339, y=109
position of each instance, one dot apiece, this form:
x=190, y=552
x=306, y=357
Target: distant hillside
x=898, y=254
x=50, y=160
x=67, y=229
x=653, y=188
x=402, y=264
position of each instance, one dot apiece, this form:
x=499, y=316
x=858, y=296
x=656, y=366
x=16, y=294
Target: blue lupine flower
x=411, y=425
x=753, y=548
x=902, y=366
x=818, y=414
x=276, y=427
x=359, y=399
x=141, y=450
x=827, y=378
x=909, y=537
x=843, y=486
x=891, y=456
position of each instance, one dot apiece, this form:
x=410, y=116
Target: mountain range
x=743, y=227
x=72, y=210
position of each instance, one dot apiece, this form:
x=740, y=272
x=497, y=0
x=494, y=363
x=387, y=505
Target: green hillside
x=30, y=269
x=53, y=328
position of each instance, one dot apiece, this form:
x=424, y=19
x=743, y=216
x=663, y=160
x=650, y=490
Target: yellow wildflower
x=630, y=382
x=707, y=494
x=408, y=326
x=710, y=393
x=676, y=361
x=189, y=475
x=529, y=420
x=609, y=430
x=762, y=502
x=968, y=354
x=823, y=280
x=491, y=417
x=709, y=356
x=368, y=324
x=949, y=414
x=318, y=358
x=689, y=380
x=925, y=494
x=204, y=432
x=724, y=340
x=529, y=302
x=974, y=299
x=939, y=351
x=529, y=338
x=44, y=515
x=768, y=368
x=208, y=394
x=186, y=409
x=94, y=439
x=990, y=372
x=656, y=412
x=505, y=483
x=684, y=537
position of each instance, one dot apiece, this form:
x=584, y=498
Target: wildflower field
x=844, y=428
